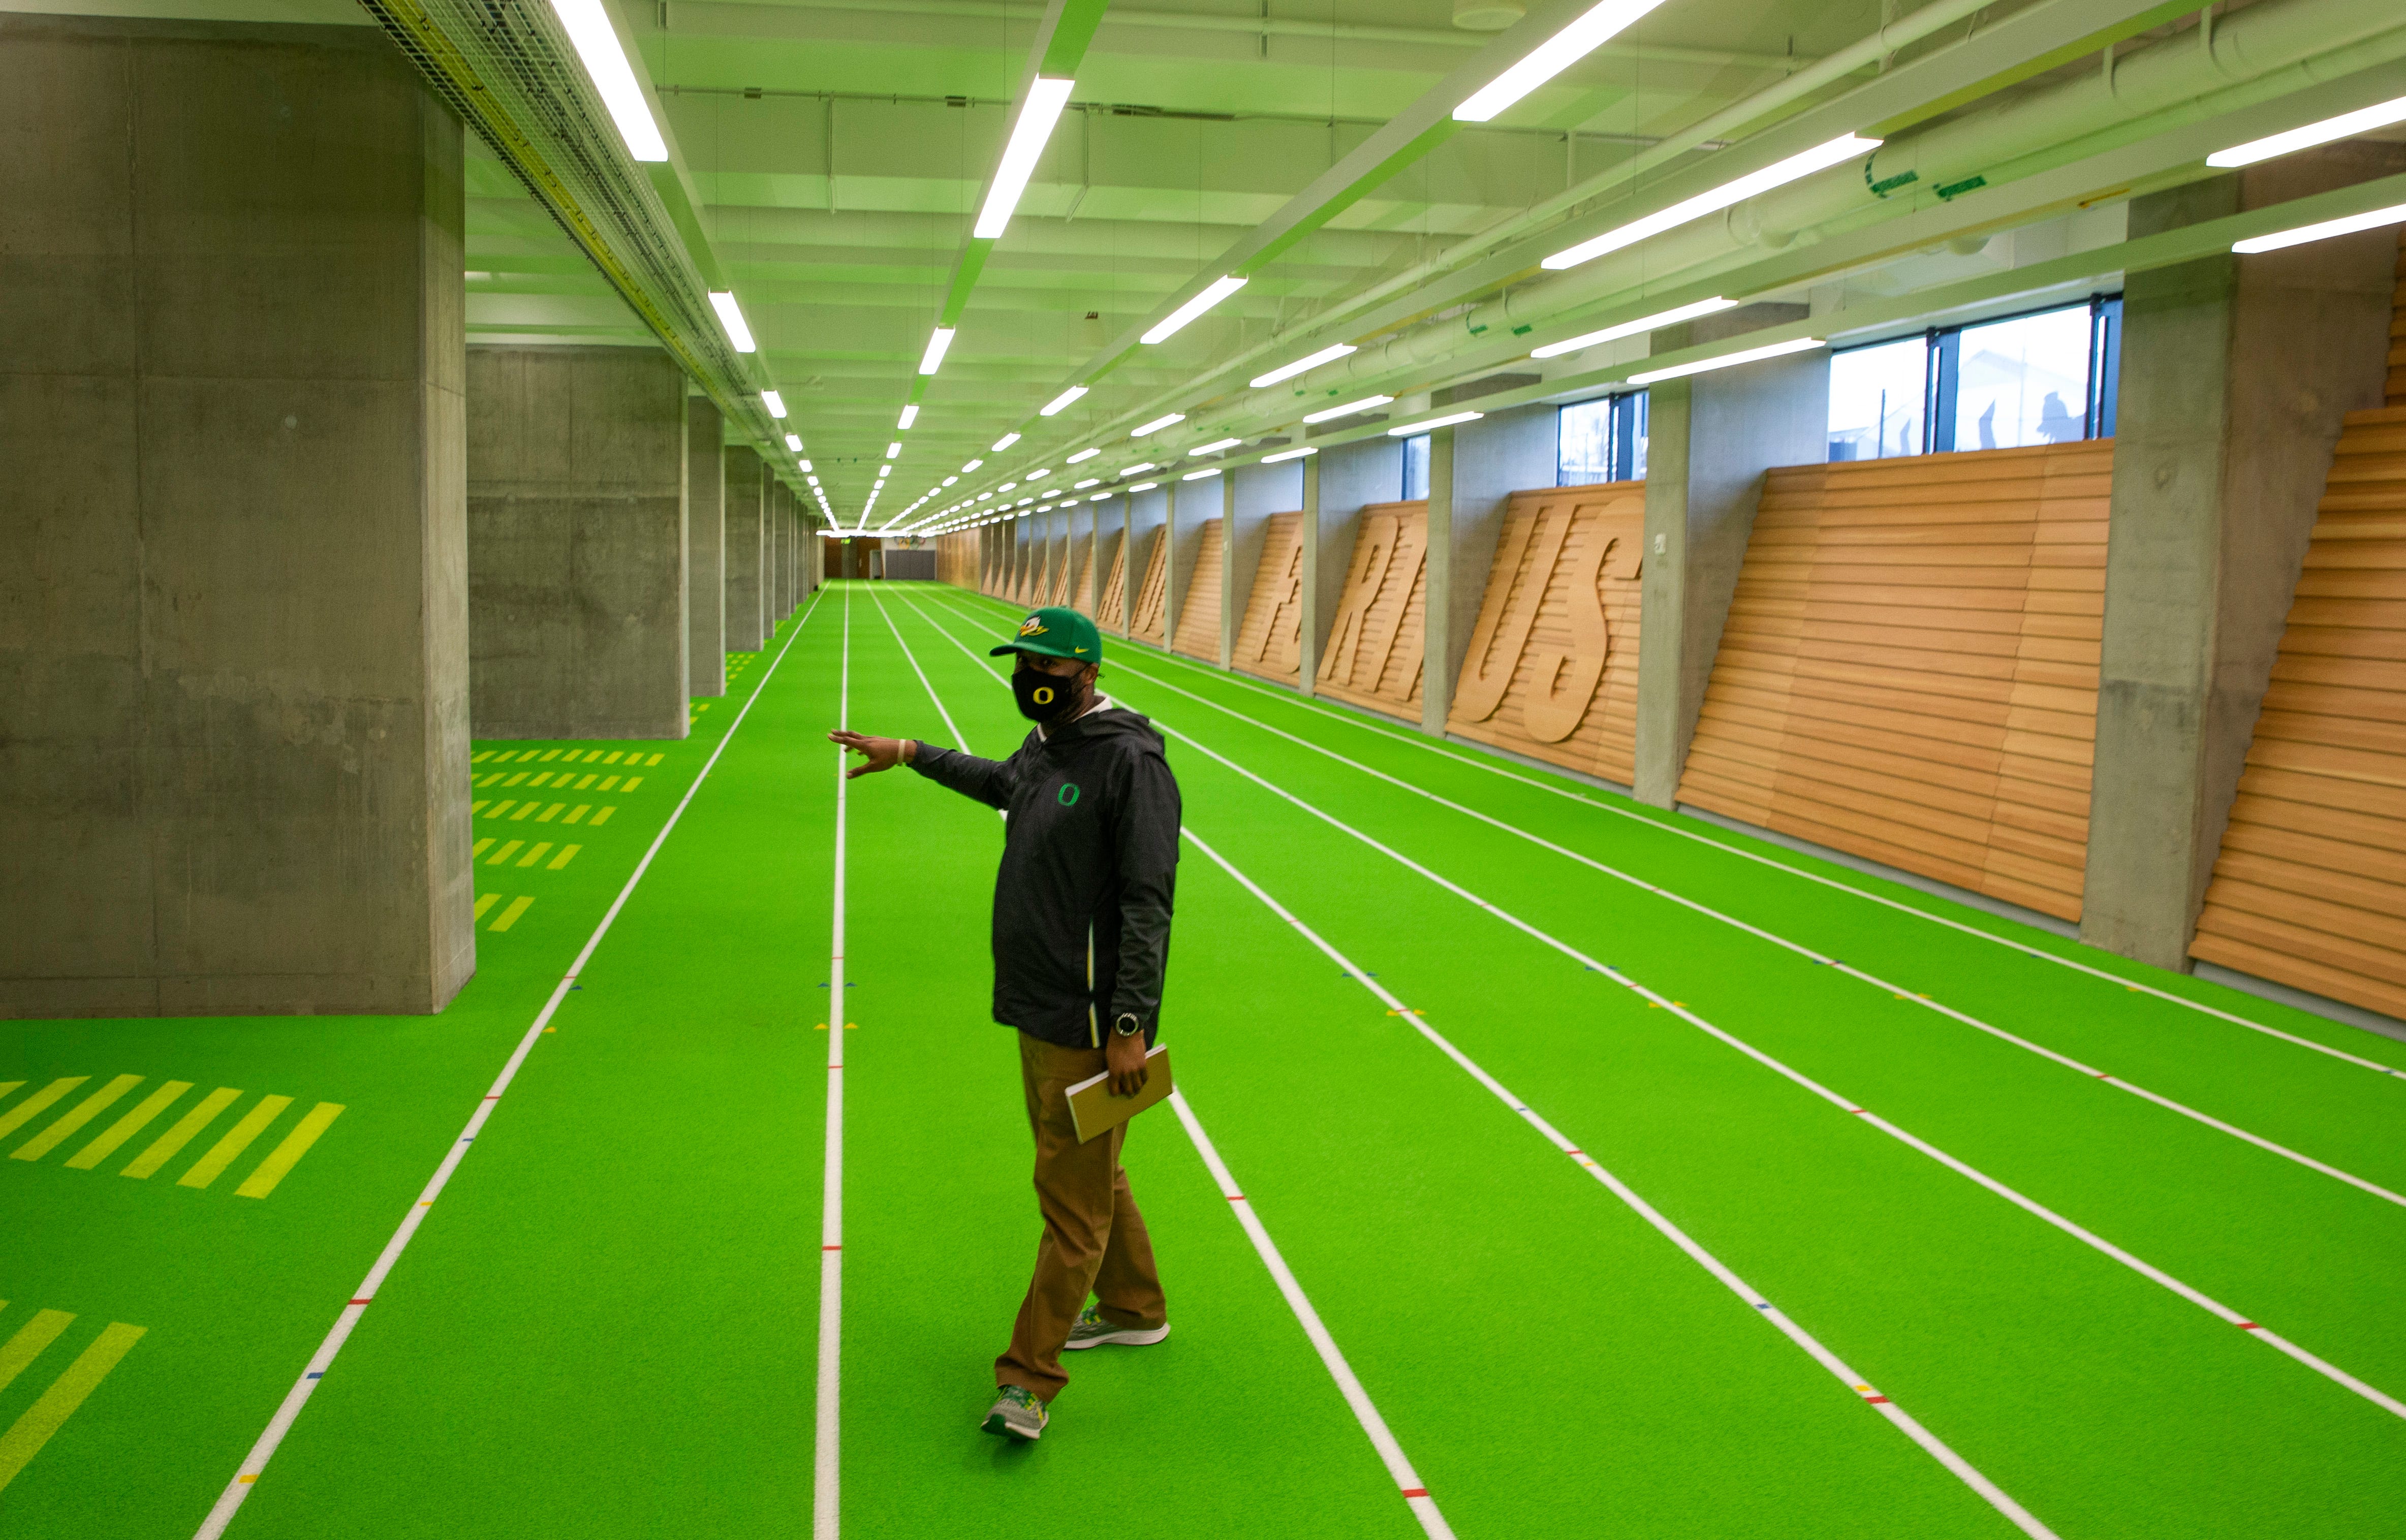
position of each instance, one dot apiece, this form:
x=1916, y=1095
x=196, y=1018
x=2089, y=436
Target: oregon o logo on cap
x=1042, y=695
x=1068, y=795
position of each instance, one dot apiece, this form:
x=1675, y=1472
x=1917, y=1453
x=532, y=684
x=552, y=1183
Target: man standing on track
x=1082, y=908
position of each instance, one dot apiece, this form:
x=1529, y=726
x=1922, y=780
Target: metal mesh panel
x=507, y=69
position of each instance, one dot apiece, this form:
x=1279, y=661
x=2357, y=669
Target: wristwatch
x=1127, y=1025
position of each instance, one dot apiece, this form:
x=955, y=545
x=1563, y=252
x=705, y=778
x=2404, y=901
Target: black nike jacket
x=1089, y=867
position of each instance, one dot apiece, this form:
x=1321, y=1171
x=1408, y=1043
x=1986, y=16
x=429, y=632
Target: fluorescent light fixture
x=1198, y=475
x=1156, y=425
x=1144, y=487
x=1084, y=454
x=1845, y=147
x=1220, y=289
x=1213, y=446
x=910, y=416
x=2322, y=232
x=732, y=319
x=1630, y=328
x=2345, y=126
x=972, y=466
x=934, y=355
x=1025, y=502
x=1552, y=57
x=774, y=403
x=1288, y=454
x=1090, y=481
x=949, y=480
x=806, y=465
x=1061, y=402
x=984, y=496
x=1348, y=409
x=794, y=442
x=1146, y=465
x=1799, y=345
x=1426, y=423
x=891, y=451
x=1007, y=487
x=1038, y=473
x=1004, y=443
x=597, y=44
x=1046, y=97
x=1326, y=354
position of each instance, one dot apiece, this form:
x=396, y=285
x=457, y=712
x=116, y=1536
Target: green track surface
x=608, y=1323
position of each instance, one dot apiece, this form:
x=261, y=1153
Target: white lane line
x=1427, y=744
x=1366, y=1411
x=2087, y=1237
x=255, y=1464
x=825, y=1482
x=1810, y=954
x=1862, y=1390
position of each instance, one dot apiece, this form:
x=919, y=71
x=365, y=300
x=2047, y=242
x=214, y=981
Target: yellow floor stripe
x=586, y=781
x=29, y=1341
x=577, y=816
x=479, y=848
x=633, y=781
x=530, y=857
x=285, y=1156
x=506, y=852
x=85, y=1110
x=501, y=808
x=516, y=778
x=524, y=811
x=539, y=779
x=238, y=1139
x=34, y=1106
x=127, y=1126
x=181, y=1134
x=594, y=754
x=653, y=760
x=480, y=757
x=553, y=754
x=475, y=808
x=24, y=1439
x=8, y=1088
x=615, y=755
x=510, y=915
x=488, y=901
x=602, y=817
x=567, y=854
x=607, y=782
x=548, y=814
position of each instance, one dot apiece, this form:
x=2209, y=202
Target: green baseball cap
x=1055, y=631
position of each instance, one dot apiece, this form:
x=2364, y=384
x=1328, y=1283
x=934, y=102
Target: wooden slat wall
x=1269, y=642
x=1154, y=593
x=2396, y=395
x=1374, y=644
x=1552, y=667
x=1082, y=591
x=1113, y=586
x=956, y=562
x=2310, y=889
x=1909, y=668
x=1199, y=609
x=1056, y=582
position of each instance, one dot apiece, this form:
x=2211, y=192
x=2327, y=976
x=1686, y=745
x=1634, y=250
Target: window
x=1600, y=440
x=1416, y=451
x=2048, y=377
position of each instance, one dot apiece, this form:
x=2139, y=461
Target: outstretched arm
x=882, y=753
x=987, y=780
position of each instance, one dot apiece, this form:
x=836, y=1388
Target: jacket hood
x=1110, y=722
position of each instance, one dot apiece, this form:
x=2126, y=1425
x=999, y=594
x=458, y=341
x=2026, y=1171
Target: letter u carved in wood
x=1504, y=622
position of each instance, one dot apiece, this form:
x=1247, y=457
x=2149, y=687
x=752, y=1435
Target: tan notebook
x=1095, y=1110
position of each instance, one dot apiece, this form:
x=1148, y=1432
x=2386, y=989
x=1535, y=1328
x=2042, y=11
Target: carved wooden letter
x=1563, y=684
x=1511, y=610
x=1372, y=550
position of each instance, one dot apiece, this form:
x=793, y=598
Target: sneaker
x=1017, y=1414
x=1092, y=1330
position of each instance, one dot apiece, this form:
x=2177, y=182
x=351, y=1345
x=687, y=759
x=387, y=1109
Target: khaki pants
x=1094, y=1238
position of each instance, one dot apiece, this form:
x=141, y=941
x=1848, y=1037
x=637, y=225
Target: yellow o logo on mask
x=1044, y=694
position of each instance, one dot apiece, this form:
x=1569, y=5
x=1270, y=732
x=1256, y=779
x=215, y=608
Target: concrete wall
x=746, y=495
x=705, y=549
x=1711, y=438
x=1338, y=483
x=233, y=678
x=2236, y=372
x=576, y=583
x=1474, y=470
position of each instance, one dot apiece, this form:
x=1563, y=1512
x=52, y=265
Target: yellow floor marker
x=506, y=853
x=29, y=1341
x=615, y=755
x=633, y=781
x=553, y=754
x=510, y=915
x=524, y=811
x=548, y=814
x=516, y=778
x=174, y=1138
x=586, y=781
x=479, y=848
x=501, y=808
x=539, y=779
x=8, y=1088
x=567, y=854
x=85, y=1110
x=127, y=1126
x=39, y=1102
x=284, y=1157
x=238, y=1139
x=653, y=760
x=577, y=814
x=488, y=901
x=475, y=808
x=28, y=1434
x=530, y=857
x=607, y=781
x=594, y=754
x=480, y=757
x=602, y=817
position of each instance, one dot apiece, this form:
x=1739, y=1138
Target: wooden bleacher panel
x=1083, y=591
x=1374, y=644
x=1909, y=668
x=2396, y=395
x=1113, y=587
x=1269, y=642
x=1056, y=583
x=1198, y=608
x=2309, y=887
x=1552, y=667
x=1154, y=593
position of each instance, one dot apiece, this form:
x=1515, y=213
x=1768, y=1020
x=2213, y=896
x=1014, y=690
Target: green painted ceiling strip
x=1360, y=187
x=670, y=187
x=966, y=269
x=1073, y=31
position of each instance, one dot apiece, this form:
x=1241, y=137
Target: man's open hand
x=883, y=753
x=1125, y=1058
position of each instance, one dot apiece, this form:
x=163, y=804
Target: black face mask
x=1044, y=698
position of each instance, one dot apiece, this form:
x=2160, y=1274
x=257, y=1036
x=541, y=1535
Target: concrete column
x=1472, y=476
x=705, y=549
x=1338, y=483
x=233, y=670
x=1148, y=522
x=773, y=539
x=1255, y=492
x=1711, y=438
x=576, y=583
x=745, y=496
x=2236, y=372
